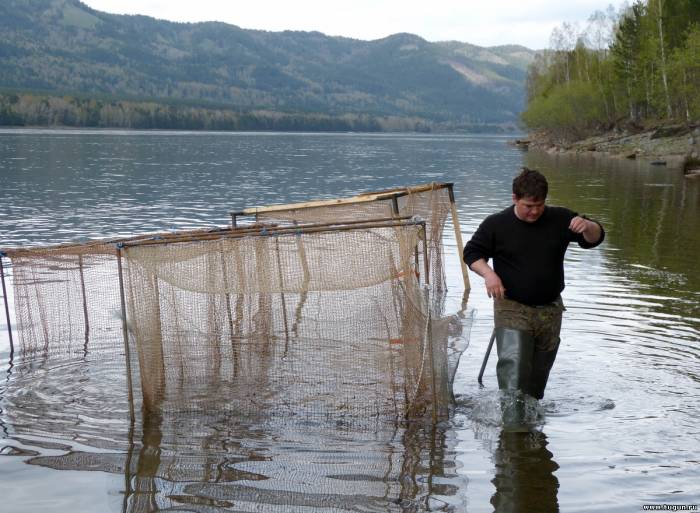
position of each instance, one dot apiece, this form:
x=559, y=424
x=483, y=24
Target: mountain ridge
x=64, y=45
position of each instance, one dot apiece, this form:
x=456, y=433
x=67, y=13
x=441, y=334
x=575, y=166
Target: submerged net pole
x=227, y=295
x=284, y=303
x=127, y=357
x=7, y=306
x=85, y=307
x=426, y=262
x=458, y=237
x=416, y=259
x=428, y=327
x=305, y=283
x=431, y=355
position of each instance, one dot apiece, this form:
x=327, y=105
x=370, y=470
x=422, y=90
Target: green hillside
x=63, y=47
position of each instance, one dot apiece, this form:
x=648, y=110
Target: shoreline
x=675, y=146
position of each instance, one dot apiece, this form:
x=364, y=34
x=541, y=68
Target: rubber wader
x=514, y=371
x=515, y=358
x=520, y=365
x=542, y=362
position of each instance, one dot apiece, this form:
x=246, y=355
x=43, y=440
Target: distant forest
x=34, y=109
x=26, y=109
x=634, y=68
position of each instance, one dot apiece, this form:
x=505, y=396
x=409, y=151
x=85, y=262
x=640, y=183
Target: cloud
x=487, y=23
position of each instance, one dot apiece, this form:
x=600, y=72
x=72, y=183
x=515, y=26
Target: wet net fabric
x=333, y=323
x=430, y=203
x=67, y=300
x=316, y=320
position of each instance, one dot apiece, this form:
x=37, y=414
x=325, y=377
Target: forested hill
x=643, y=72
x=63, y=47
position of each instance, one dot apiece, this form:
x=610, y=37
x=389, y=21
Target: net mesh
x=429, y=202
x=319, y=320
x=67, y=299
x=330, y=322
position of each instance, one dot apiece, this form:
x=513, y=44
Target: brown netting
x=282, y=317
x=66, y=299
x=331, y=322
x=429, y=202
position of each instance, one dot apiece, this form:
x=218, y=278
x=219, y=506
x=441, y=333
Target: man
x=527, y=242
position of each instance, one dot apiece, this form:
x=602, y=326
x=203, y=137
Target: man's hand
x=590, y=229
x=494, y=286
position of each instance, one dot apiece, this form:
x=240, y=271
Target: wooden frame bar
x=458, y=238
x=248, y=229
x=7, y=306
x=366, y=197
x=290, y=230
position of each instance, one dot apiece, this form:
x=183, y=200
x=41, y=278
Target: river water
x=618, y=428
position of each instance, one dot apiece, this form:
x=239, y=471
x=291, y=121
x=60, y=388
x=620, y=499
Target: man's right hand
x=494, y=286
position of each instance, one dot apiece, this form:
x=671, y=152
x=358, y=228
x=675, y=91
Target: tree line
x=31, y=109
x=45, y=110
x=635, y=67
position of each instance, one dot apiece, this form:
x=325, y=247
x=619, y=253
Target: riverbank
x=675, y=146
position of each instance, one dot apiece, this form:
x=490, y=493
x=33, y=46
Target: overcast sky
x=480, y=22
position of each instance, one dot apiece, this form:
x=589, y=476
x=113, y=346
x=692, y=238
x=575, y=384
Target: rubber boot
x=542, y=362
x=515, y=351
x=514, y=370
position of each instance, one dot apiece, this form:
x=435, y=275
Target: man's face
x=528, y=209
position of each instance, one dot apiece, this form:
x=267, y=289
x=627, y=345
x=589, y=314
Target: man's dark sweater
x=528, y=257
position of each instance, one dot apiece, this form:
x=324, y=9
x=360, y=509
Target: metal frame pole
x=284, y=302
x=431, y=354
x=227, y=296
x=486, y=358
x=458, y=236
x=428, y=328
x=416, y=260
x=301, y=249
x=7, y=306
x=85, y=307
x=395, y=205
x=426, y=262
x=234, y=218
x=125, y=332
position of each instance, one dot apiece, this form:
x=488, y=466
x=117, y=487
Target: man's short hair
x=530, y=184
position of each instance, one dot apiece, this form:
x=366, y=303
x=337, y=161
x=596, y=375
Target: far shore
x=674, y=146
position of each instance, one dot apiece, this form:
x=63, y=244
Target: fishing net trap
x=330, y=309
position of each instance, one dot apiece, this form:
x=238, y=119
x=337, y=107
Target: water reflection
x=630, y=334
x=228, y=464
x=524, y=473
x=304, y=469
x=68, y=411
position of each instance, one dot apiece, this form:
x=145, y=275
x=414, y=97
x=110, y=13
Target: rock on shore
x=675, y=146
